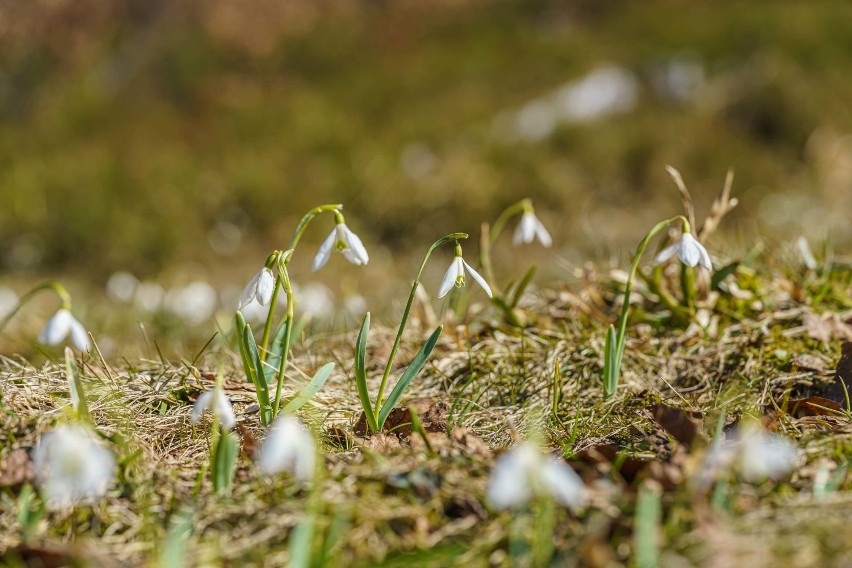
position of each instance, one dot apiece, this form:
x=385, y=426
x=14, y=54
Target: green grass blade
x=276, y=351
x=409, y=374
x=647, y=523
x=361, y=372
x=75, y=386
x=611, y=370
x=302, y=541
x=311, y=389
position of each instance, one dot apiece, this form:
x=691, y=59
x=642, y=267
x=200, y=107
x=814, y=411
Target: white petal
x=79, y=337
x=688, y=251
x=289, y=447
x=56, y=328
x=449, y=279
x=479, y=279
x=265, y=286
x=528, y=222
x=705, y=258
x=249, y=292
x=563, y=484
x=324, y=251
x=509, y=485
x=666, y=253
x=542, y=234
x=356, y=254
x=224, y=410
x=201, y=404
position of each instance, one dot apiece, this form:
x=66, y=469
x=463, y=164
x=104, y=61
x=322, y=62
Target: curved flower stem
x=453, y=237
x=297, y=235
x=625, y=306
x=490, y=234
x=288, y=290
x=58, y=288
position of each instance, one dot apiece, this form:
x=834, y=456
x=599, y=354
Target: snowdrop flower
x=59, y=326
x=342, y=240
x=755, y=454
x=216, y=401
x=524, y=471
x=289, y=447
x=71, y=466
x=688, y=250
x=455, y=276
x=259, y=288
x=530, y=229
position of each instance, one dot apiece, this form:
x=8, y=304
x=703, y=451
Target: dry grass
x=396, y=504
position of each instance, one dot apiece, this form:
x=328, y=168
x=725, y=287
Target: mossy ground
x=392, y=503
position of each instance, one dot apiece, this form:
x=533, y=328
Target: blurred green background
x=181, y=140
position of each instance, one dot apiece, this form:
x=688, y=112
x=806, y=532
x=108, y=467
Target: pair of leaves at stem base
x=376, y=422
x=255, y=370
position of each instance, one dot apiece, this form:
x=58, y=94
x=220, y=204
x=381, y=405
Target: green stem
x=60, y=290
x=490, y=234
x=288, y=290
x=443, y=240
x=625, y=307
x=297, y=235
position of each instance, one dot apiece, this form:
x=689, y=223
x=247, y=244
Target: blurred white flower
x=524, y=471
x=455, y=277
x=193, y=303
x=59, y=326
x=605, y=91
x=316, y=299
x=8, y=300
x=216, y=401
x=289, y=447
x=148, y=296
x=754, y=453
x=688, y=250
x=805, y=252
x=530, y=229
x=71, y=466
x=342, y=240
x=259, y=288
x=121, y=286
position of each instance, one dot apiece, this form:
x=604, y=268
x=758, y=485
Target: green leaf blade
x=311, y=389
x=361, y=372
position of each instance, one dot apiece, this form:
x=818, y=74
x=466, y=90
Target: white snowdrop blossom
x=455, y=276
x=344, y=241
x=59, y=326
x=259, y=288
x=688, y=250
x=216, y=401
x=529, y=229
x=755, y=454
x=71, y=466
x=524, y=471
x=289, y=447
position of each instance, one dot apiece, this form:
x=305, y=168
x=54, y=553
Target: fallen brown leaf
x=676, y=422
x=842, y=382
x=826, y=327
x=16, y=469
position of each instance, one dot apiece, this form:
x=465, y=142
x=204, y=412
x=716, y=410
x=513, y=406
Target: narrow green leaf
x=723, y=273
x=75, y=386
x=276, y=351
x=522, y=286
x=409, y=374
x=224, y=462
x=361, y=373
x=611, y=370
x=253, y=368
x=301, y=542
x=647, y=526
x=311, y=389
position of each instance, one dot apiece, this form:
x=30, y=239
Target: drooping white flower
x=529, y=229
x=289, y=447
x=455, y=277
x=755, y=454
x=524, y=471
x=259, y=288
x=59, y=326
x=216, y=401
x=71, y=466
x=342, y=240
x=688, y=250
